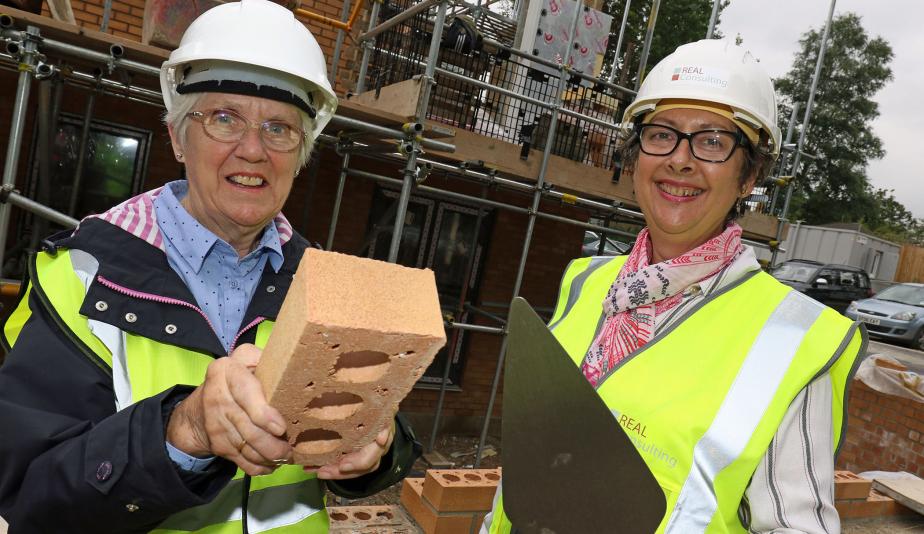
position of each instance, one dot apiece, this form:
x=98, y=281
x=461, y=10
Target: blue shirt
x=221, y=282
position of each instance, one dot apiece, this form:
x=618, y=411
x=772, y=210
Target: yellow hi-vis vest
x=710, y=391
x=286, y=501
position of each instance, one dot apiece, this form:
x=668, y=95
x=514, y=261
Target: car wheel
x=918, y=342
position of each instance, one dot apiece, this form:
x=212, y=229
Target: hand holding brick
x=351, y=339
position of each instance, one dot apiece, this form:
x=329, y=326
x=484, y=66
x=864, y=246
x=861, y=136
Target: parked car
x=895, y=314
x=611, y=247
x=831, y=284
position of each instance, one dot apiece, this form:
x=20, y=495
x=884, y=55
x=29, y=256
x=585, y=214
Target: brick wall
x=884, y=433
x=125, y=20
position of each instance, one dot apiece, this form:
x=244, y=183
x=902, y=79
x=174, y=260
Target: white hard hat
x=716, y=71
x=252, y=47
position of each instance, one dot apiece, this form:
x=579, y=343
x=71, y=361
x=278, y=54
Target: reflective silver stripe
x=574, y=292
x=268, y=508
x=742, y=409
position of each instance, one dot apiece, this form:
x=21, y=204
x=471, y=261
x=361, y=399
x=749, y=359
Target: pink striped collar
x=137, y=217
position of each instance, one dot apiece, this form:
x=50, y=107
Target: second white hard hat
x=253, y=47
x=716, y=71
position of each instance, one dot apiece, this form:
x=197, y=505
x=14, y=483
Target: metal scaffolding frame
x=24, y=49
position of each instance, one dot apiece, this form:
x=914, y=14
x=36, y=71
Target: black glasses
x=712, y=146
x=227, y=126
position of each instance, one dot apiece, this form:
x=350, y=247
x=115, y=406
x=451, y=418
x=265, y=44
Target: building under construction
x=461, y=144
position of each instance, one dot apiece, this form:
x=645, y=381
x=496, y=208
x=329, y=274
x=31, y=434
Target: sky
x=771, y=30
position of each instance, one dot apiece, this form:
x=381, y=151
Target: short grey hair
x=183, y=104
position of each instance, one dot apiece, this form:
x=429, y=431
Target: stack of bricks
x=854, y=498
x=369, y=520
x=450, y=501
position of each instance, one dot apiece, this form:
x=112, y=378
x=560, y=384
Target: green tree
x=834, y=187
x=678, y=22
x=892, y=221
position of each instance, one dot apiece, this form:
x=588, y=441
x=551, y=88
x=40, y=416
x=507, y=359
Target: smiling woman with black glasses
x=737, y=379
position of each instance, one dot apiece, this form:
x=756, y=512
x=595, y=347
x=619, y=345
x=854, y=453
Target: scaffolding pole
x=783, y=155
x=398, y=19
x=487, y=178
x=17, y=124
x=461, y=197
x=622, y=33
x=81, y=153
x=712, y=18
x=367, y=50
x=346, y=123
x=8, y=195
x=549, y=63
x=513, y=94
x=341, y=32
x=805, y=125
x=530, y=225
x=476, y=328
x=646, y=48
x=457, y=334
x=413, y=135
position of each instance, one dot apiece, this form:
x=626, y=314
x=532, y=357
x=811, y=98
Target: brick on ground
x=384, y=519
x=461, y=490
x=429, y=519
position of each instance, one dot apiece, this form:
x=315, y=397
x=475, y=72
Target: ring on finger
x=280, y=461
x=243, y=444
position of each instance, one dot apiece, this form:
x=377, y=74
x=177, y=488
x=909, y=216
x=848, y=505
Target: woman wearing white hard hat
x=121, y=412
x=738, y=381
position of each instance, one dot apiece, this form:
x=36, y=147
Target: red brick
x=379, y=519
x=847, y=485
x=83, y=16
x=129, y=19
x=427, y=517
x=461, y=490
x=96, y=9
x=116, y=25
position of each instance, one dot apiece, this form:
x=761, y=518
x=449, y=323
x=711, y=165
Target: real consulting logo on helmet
x=701, y=75
x=711, y=71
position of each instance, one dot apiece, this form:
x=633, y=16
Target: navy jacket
x=70, y=462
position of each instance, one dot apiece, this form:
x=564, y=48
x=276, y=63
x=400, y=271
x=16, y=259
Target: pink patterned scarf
x=643, y=291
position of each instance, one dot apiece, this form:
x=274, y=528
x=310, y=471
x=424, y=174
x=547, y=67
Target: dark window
x=828, y=275
x=849, y=279
x=113, y=168
x=446, y=238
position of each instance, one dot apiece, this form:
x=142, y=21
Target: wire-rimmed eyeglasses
x=712, y=145
x=228, y=126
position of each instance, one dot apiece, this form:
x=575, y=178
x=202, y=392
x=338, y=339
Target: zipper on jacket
x=154, y=298
x=177, y=302
x=252, y=324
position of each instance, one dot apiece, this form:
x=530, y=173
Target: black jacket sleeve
x=71, y=463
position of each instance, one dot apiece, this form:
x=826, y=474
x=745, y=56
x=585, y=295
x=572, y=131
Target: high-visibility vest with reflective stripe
x=289, y=500
x=693, y=396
